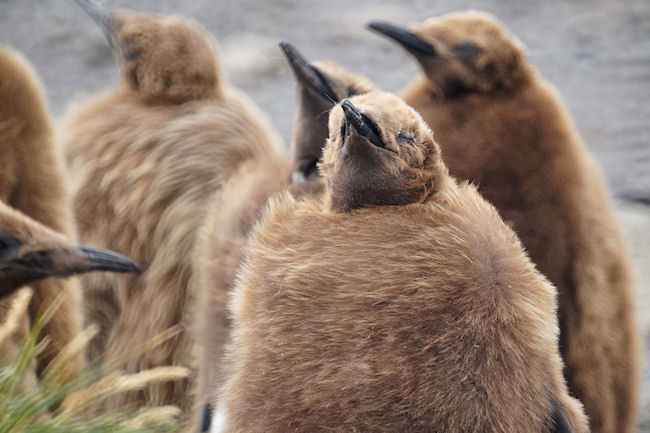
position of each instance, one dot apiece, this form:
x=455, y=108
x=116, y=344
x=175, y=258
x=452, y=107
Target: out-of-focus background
x=596, y=52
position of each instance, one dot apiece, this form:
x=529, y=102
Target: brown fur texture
x=19, y=235
x=32, y=180
x=239, y=206
x=505, y=129
x=425, y=316
x=147, y=159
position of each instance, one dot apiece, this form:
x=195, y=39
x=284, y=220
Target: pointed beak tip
x=352, y=115
x=295, y=59
x=104, y=260
x=403, y=36
x=379, y=26
x=362, y=123
x=348, y=108
x=372, y=25
x=306, y=74
x=100, y=15
x=134, y=268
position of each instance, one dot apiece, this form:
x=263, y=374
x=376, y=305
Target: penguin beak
x=103, y=260
x=18, y=269
x=100, y=15
x=103, y=18
x=363, y=124
x=306, y=74
x=409, y=40
x=67, y=260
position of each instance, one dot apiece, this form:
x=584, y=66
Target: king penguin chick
x=505, y=129
x=147, y=159
x=29, y=251
x=399, y=302
x=32, y=181
x=319, y=86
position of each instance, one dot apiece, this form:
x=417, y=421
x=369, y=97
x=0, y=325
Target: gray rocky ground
x=596, y=52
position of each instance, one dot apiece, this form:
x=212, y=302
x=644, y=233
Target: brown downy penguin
x=319, y=86
x=32, y=181
x=506, y=130
x=399, y=302
x=29, y=251
x=147, y=159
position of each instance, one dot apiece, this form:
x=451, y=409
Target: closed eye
x=406, y=139
x=466, y=52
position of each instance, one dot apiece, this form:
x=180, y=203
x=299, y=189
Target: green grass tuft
x=60, y=403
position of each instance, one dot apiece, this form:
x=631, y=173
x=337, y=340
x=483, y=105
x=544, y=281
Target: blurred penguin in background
x=319, y=86
x=32, y=181
x=30, y=252
x=147, y=159
x=506, y=130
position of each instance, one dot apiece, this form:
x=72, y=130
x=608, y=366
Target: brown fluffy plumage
x=29, y=252
x=421, y=316
x=240, y=203
x=505, y=129
x=147, y=159
x=32, y=181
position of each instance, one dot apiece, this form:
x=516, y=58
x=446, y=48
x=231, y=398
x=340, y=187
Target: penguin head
x=29, y=251
x=462, y=53
x=319, y=86
x=161, y=58
x=379, y=153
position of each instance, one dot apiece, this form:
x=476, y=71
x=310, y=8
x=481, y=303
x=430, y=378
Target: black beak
x=364, y=125
x=306, y=73
x=70, y=260
x=18, y=270
x=104, y=260
x=100, y=15
x=410, y=41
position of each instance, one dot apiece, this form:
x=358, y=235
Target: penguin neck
x=310, y=129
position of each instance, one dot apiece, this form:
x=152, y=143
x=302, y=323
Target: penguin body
x=368, y=310
x=33, y=181
x=147, y=161
x=506, y=130
x=242, y=199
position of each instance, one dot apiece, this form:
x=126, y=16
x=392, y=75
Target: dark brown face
x=461, y=53
x=379, y=153
x=319, y=86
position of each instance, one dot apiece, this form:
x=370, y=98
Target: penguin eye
x=489, y=68
x=129, y=52
x=5, y=240
x=405, y=139
x=8, y=244
x=466, y=51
